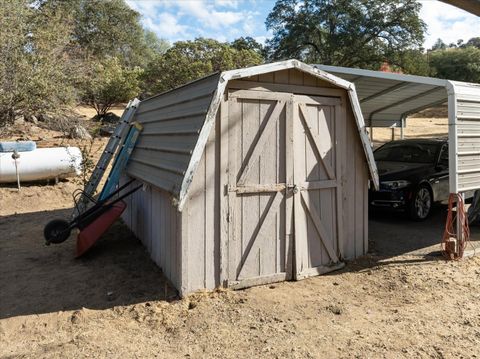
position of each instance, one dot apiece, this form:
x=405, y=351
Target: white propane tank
x=41, y=163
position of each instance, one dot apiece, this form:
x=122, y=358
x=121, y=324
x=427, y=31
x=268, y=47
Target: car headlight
x=395, y=184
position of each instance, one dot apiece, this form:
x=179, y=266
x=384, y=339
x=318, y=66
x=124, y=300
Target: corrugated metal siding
x=468, y=136
x=172, y=122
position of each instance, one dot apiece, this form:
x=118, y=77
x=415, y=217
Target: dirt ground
x=400, y=301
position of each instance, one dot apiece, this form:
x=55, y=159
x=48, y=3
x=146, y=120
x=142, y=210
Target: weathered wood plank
x=255, y=281
x=209, y=209
x=322, y=232
x=234, y=158
x=260, y=188
x=313, y=185
x=296, y=89
x=349, y=191
x=339, y=116
x=289, y=179
x=319, y=148
x=268, y=173
x=265, y=222
x=258, y=95
x=250, y=208
x=300, y=218
x=222, y=137
x=295, y=77
x=318, y=101
x=314, y=271
x=258, y=144
x=281, y=77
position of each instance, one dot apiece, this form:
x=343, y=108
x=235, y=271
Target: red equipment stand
x=91, y=233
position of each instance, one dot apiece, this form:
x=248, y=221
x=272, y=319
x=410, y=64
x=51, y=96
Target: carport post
x=402, y=125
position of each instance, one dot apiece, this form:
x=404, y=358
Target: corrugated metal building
x=252, y=176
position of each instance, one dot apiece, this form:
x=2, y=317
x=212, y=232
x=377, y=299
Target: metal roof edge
x=383, y=75
x=201, y=142
x=217, y=73
x=367, y=148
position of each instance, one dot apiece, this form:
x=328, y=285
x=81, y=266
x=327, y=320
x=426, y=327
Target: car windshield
x=407, y=152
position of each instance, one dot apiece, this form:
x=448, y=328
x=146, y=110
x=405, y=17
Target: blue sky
x=226, y=20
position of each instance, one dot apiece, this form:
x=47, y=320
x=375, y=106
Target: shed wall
x=355, y=193
x=202, y=221
x=154, y=220
x=171, y=125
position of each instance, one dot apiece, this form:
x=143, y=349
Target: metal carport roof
x=388, y=98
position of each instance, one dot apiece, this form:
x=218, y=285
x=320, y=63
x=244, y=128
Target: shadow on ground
x=393, y=233
x=36, y=279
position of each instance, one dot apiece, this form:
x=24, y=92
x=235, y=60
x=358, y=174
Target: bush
x=109, y=83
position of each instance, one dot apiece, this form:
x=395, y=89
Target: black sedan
x=413, y=174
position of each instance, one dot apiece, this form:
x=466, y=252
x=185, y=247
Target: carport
x=386, y=99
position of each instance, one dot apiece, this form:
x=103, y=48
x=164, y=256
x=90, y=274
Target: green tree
x=157, y=45
x=353, y=33
x=248, y=43
x=439, y=45
x=461, y=64
x=108, y=83
x=109, y=28
x=186, y=61
x=474, y=41
x=413, y=62
x=34, y=71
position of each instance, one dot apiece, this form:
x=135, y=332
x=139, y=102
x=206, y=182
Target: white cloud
x=144, y=7
x=206, y=13
x=227, y=3
x=447, y=23
x=165, y=25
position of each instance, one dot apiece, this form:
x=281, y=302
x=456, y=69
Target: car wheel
x=421, y=203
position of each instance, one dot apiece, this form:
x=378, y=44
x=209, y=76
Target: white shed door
x=259, y=233
x=319, y=123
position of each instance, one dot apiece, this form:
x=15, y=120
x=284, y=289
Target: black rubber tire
x=57, y=231
x=421, y=204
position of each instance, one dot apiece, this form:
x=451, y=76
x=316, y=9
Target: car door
x=440, y=181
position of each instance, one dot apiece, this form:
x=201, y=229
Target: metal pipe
x=16, y=156
x=402, y=125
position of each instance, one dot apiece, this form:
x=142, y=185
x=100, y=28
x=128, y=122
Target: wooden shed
x=252, y=176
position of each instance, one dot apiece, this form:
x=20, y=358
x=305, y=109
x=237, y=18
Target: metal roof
x=472, y=6
x=387, y=98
